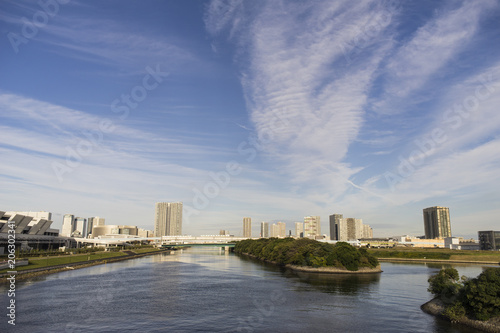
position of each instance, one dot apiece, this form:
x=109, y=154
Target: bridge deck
x=200, y=244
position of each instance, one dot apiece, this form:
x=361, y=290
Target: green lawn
x=69, y=259
x=146, y=249
x=416, y=253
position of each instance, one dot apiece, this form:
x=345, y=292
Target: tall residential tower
x=264, y=230
x=335, y=225
x=68, y=225
x=247, y=227
x=437, y=222
x=312, y=226
x=299, y=229
x=168, y=219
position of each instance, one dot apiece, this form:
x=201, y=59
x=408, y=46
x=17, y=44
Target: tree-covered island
x=310, y=255
x=473, y=302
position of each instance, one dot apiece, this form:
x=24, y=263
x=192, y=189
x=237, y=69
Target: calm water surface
x=204, y=290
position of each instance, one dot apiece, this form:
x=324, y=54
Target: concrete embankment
x=436, y=308
x=323, y=270
x=334, y=270
x=30, y=273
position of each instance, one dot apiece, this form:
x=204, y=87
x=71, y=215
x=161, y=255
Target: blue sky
x=270, y=109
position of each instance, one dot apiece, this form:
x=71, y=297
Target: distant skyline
x=275, y=110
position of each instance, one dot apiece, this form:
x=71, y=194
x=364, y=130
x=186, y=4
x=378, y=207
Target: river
x=207, y=290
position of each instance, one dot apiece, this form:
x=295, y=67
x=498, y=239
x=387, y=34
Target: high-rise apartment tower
x=68, y=225
x=264, y=230
x=437, y=222
x=168, y=219
x=247, y=227
x=312, y=226
x=299, y=229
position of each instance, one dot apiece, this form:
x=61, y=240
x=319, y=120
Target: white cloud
x=220, y=14
x=305, y=111
x=431, y=47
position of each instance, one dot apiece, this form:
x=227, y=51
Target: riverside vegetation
x=436, y=254
x=307, y=252
x=466, y=300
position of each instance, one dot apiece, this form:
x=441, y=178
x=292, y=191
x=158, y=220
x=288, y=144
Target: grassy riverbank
x=40, y=262
x=51, y=264
x=436, y=254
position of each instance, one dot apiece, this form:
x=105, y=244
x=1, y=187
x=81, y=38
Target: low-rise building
x=114, y=231
x=489, y=240
x=458, y=243
x=421, y=242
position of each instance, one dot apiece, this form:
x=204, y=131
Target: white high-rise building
x=299, y=229
x=348, y=229
x=80, y=229
x=312, y=226
x=68, y=225
x=275, y=230
x=281, y=229
x=247, y=227
x=367, y=231
x=168, y=219
x=354, y=228
x=93, y=222
x=264, y=230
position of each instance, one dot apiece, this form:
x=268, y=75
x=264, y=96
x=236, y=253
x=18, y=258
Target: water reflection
x=348, y=284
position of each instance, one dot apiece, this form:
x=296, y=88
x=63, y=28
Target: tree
x=445, y=284
x=482, y=294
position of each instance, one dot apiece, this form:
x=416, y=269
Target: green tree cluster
x=481, y=295
x=445, y=284
x=479, y=298
x=307, y=252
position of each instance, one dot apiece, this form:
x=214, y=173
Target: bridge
x=224, y=245
x=225, y=241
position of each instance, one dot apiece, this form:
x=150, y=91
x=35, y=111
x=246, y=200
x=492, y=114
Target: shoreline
x=435, y=307
x=322, y=270
x=439, y=261
x=334, y=270
x=27, y=274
